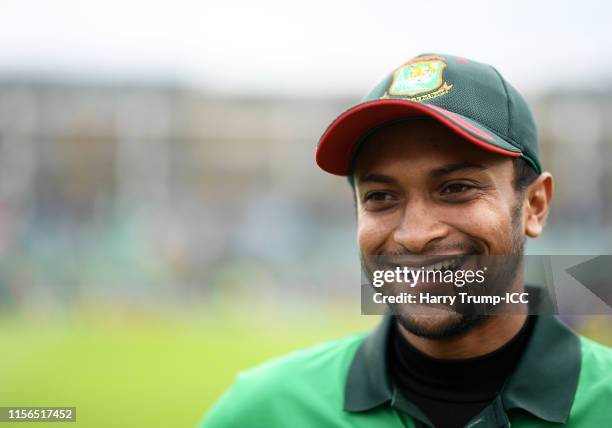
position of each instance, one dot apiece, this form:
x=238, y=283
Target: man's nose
x=419, y=227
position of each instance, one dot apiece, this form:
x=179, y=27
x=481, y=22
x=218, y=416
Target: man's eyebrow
x=447, y=169
x=376, y=178
x=438, y=172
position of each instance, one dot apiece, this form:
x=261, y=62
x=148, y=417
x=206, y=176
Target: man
x=443, y=160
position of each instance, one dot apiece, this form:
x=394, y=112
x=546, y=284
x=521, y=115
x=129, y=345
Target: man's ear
x=536, y=205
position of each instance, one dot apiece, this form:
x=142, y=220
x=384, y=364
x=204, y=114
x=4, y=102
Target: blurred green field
x=156, y=369
x=143, y=370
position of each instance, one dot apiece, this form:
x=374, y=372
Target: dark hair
x=524, y=174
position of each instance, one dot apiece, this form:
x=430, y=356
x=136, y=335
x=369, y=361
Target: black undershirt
x=451, y=392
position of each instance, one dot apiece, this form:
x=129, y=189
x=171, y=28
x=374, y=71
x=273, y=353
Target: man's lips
x=427, y=271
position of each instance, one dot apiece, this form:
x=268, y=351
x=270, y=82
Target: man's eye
x=456, y=188
x=377, y=201
x=377, y=196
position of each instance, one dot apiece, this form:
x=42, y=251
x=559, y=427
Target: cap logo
x=419, y=79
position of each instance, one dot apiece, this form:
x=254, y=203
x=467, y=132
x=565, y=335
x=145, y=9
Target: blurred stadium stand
x=145, y=193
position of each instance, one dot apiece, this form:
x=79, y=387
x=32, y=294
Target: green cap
x=469, y=97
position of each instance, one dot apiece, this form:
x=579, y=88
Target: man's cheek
x=492, y=226
x=371, y=235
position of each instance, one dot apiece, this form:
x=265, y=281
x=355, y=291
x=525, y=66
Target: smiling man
x=443, y=160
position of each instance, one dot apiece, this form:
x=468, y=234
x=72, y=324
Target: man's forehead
x=426, y=147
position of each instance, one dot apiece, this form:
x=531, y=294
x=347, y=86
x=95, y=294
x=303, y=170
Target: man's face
x=422, y=190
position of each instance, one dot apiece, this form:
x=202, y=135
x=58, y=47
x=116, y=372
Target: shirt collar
x=545, y=380
x=543, y=383
x=367, y=384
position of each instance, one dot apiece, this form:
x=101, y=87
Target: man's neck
x=485, y=337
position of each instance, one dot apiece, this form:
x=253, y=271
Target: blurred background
x=159, y=200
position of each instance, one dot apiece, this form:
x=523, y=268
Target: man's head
x=420, y=190
x=443, y=158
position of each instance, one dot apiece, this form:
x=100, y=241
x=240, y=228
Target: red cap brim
x=337, y=145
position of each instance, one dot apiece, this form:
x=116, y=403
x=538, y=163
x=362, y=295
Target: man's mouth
x=426, y=274
x=452, y=263
x=412, y=263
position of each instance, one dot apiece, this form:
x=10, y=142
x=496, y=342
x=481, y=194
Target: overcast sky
x=307, y=47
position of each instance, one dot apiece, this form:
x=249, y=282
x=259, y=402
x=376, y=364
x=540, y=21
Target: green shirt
x=561, y=378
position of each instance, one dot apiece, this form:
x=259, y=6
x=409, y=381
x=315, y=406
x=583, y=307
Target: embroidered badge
x=419, y=79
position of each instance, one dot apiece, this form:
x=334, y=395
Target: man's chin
x=438, y=323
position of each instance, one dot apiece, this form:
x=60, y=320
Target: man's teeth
x=444, y=264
